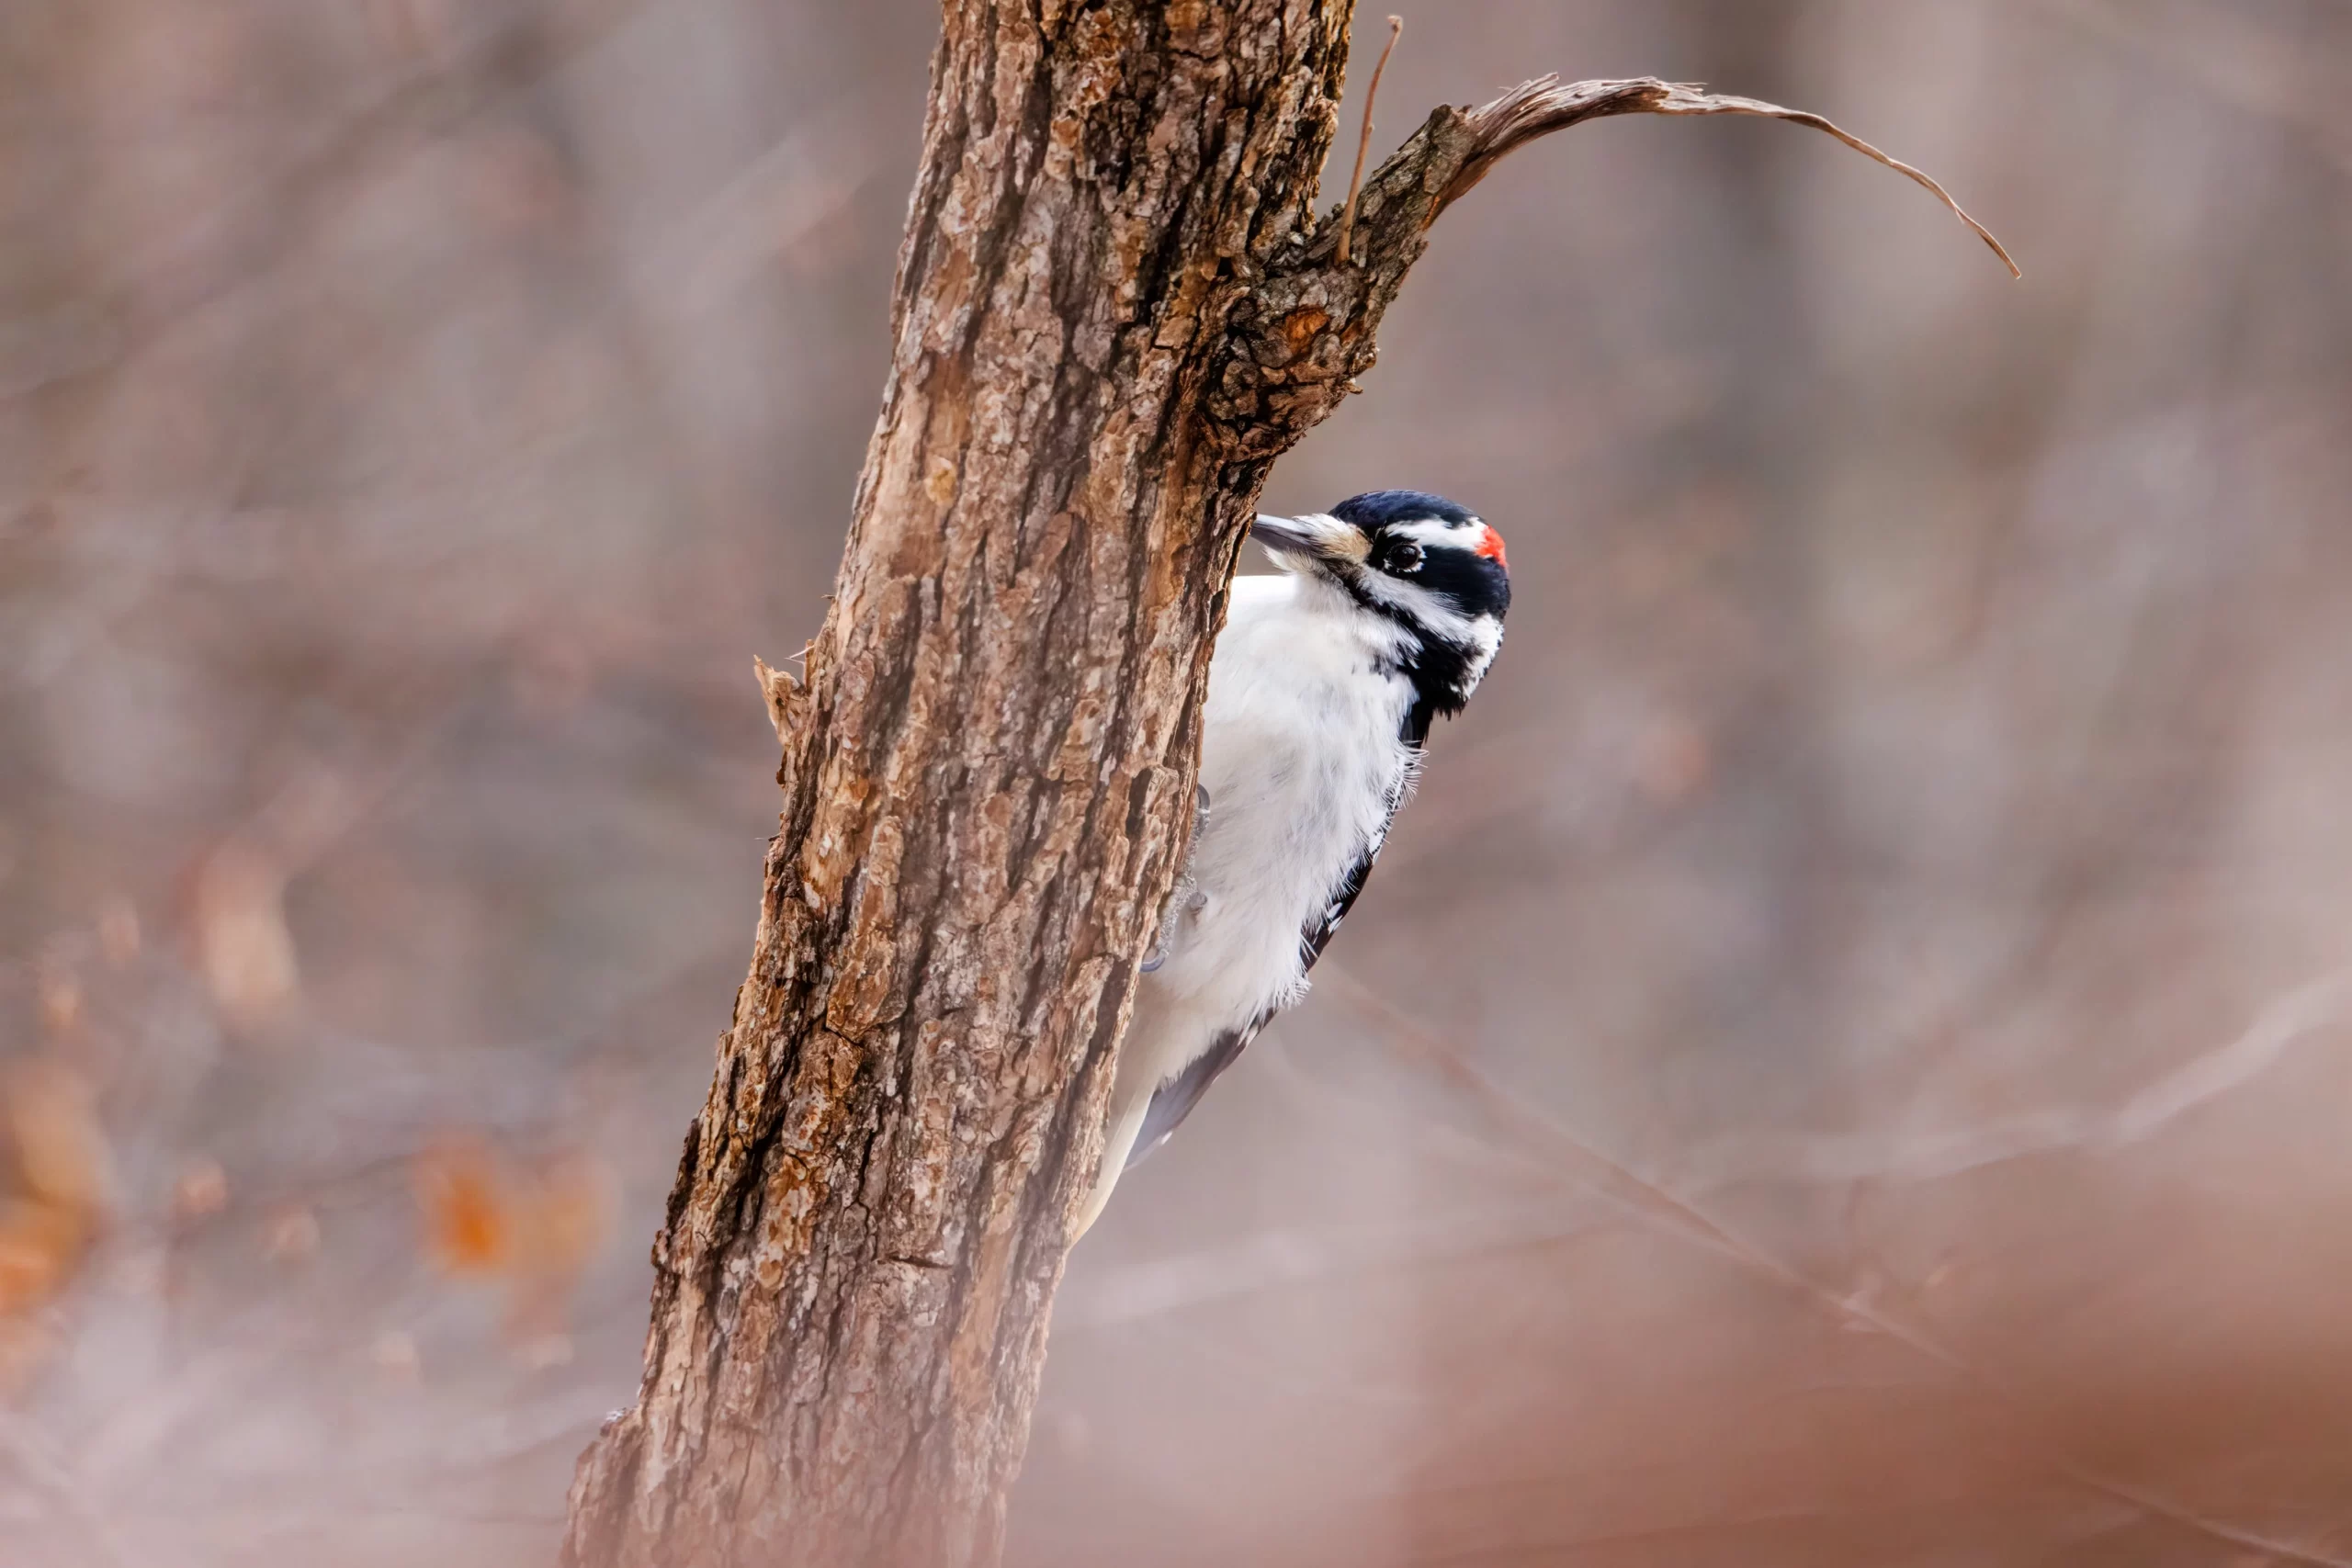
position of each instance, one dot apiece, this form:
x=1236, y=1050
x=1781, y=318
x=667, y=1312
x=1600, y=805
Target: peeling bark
x=1115, y=308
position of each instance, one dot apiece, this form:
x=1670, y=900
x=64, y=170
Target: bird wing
x=1316, y=935
x=1173, y=1101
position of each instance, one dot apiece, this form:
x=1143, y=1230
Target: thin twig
x=1364, y=139
x=1922, y=1155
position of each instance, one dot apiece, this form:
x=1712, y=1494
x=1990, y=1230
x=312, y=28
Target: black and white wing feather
x=1174, y=1100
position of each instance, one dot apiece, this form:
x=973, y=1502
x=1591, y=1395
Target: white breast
x=1304, y=767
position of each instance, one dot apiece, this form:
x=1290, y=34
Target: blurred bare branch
x=1922, y=1153
x=1587, y=1167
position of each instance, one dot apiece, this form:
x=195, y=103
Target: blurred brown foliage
x=55, y=1190
x=1845, y=1061
x=535, y=1230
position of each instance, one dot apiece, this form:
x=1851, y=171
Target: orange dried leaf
x=41, y=1246
x=51, y=1119
x=466, y=1209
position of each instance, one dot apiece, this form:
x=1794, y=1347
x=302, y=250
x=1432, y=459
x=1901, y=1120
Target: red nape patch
x=1490, y=544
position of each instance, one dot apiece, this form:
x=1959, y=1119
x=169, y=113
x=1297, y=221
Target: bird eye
x=1406, y=557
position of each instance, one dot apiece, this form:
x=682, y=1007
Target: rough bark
x=979, y=786
x=1115, y=308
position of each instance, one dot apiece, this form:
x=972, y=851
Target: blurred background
x=1848, y=1060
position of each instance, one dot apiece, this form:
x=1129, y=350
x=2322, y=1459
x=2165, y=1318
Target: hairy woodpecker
x=1322, y=687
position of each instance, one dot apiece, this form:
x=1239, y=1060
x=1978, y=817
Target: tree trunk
x=1115, y=308
x=981, y=786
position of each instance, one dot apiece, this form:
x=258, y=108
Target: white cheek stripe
x=1436, y=531
x=1485, y=641
x=1430, y=611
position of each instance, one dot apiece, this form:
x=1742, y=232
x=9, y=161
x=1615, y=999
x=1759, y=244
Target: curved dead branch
x=1541, y=106
x=1300, y=335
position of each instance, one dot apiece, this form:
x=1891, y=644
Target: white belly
x=1303, y=765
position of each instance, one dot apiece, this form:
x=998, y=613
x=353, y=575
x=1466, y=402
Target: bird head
x=1432, y=571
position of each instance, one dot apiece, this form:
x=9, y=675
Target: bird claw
x=1183, y=899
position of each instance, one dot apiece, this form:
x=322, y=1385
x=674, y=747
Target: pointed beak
x=1311, y=539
